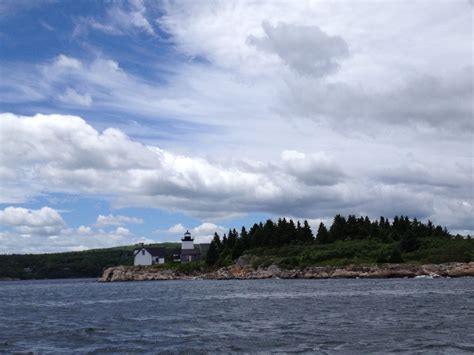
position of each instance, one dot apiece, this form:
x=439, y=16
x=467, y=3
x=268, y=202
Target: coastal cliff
x=243, y=271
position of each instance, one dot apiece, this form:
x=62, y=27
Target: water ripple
x=324, y=316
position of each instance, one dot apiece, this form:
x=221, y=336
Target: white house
x=149, y=256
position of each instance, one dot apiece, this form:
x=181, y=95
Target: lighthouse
x=187, y=242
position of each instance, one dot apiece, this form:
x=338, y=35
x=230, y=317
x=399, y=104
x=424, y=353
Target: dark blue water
x=404, y=315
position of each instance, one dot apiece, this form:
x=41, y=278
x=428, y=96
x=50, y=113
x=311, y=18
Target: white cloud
x=17, y=216
x=177, y=229
x=84, y=230
x=116, y=220
x=208, y=229
x=121, y=18
x=45, y=221
x=122, y=231
x=63, y=61
x=71, y=156
x=66, y=240
x=44, y=230
x=73, y=97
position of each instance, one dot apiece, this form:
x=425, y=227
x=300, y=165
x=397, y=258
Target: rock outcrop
x=243, y=270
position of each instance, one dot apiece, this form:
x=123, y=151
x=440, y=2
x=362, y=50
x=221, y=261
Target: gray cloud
x=306, y=49
x=434, y=101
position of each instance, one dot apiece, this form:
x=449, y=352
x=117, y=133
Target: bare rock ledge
x=245, y=272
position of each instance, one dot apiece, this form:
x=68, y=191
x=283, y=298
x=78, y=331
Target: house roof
x=156, y=252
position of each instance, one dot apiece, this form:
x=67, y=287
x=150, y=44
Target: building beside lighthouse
x=148, y=255
x=191, y=251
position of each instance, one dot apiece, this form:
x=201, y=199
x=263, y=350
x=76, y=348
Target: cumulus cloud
x=306, y=49
x=45, y=221
x=71, y=156
x=122, y=231
x=177, y=229
x=116, y=220
x=65, y=154
x=208, y=229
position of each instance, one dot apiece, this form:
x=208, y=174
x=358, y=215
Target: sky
x=132, y=121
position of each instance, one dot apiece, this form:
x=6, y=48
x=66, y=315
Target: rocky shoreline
x=242, y=271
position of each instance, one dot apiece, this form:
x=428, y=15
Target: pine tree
x=307, y=232
x=231, y=238
x=244, y=236
x=338, y=228
x=323, y=234
x=212, y=254
x=217, y=242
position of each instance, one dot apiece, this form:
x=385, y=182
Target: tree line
x=407, y=232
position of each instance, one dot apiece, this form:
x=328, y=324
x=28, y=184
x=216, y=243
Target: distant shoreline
x=236, y=272
x=11, y=279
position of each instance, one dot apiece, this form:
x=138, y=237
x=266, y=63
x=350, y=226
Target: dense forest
x=347, y=240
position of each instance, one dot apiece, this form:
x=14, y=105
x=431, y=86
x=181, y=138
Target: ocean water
x=325, y=316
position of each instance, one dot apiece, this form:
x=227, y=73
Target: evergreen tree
x=244, y=236
x=268, y=233
x=217, y=241
x=307, y=232
x=351, y=228
x=232, y=238
x=291, y=234
x=212, y=254
x=323, y=234
x=299, y=231
x=338, y=228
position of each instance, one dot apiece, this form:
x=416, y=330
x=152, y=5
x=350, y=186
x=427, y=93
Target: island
x=353, y=247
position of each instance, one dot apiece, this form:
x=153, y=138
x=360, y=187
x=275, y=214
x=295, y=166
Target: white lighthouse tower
x=187, y=242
